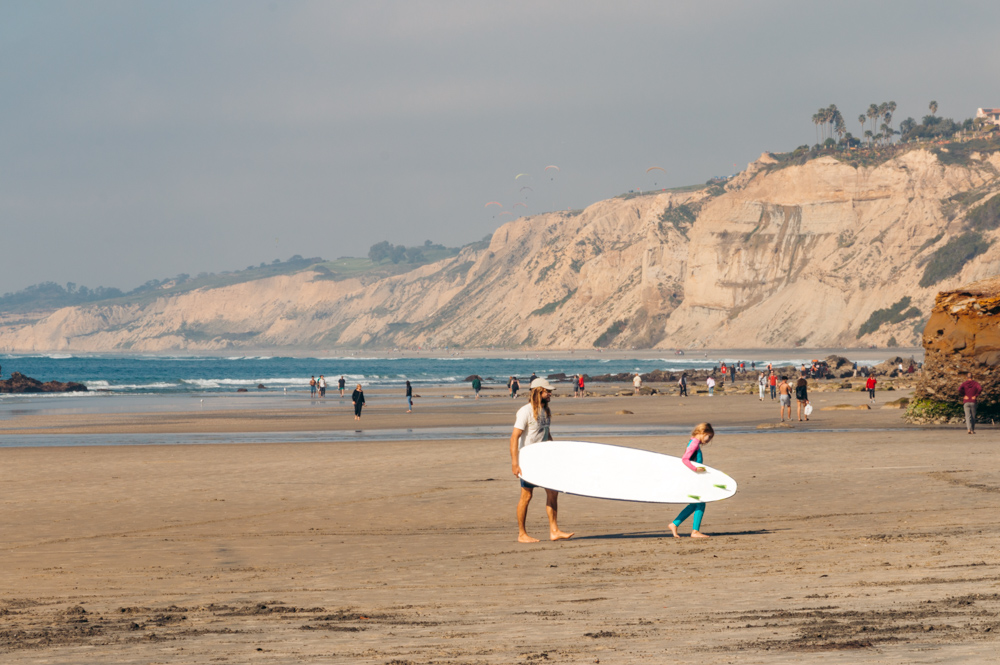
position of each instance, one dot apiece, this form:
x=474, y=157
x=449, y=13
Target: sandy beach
x=854, y=538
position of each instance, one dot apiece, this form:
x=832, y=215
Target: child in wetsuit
x=701, y=436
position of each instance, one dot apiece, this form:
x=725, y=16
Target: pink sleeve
x=692, y=448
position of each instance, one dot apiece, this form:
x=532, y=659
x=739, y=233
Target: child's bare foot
x=525, y=538
x=699, y=534
x=560, y=535
x=673, y=530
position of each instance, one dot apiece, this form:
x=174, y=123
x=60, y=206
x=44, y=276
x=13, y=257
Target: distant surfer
x=701, y=436
x=409, y=397
x=531, y=425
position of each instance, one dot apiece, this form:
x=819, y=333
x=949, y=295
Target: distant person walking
x=772, y=381
x=785, y=398
x=801, y=398
x=682, y=383
x=322, y=386
x=358, y=398
x=710, y=382
x=701, y=436
x=341, y=383
x=762, y=385
x=409, y=397
x=580, y=384
x=477, y=385
x=870, y=387
x=970, y=391
x=637, y=384
x=312, y=386
x=515, y=386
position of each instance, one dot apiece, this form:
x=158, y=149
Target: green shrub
x=609, y=335
x=679, y=217
x=889, y=315
x=948, y=261
x=985, y=217
x=553, y=306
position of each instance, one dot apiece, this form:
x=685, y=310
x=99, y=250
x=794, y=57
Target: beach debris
x=846, y=407
x=624, y=412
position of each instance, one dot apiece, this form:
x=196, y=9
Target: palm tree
x=817, y=118
x=933, y=107
x=869, y=136
x=862, y=118
x=891, y=108
x=886, y=133
x=872, y=114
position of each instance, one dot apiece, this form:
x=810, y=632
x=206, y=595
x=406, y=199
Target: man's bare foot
x=699, y=534
x=560, y=535
x=525, y=538
x=673, y=530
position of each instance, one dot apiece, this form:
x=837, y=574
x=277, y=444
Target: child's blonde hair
x=703, y=432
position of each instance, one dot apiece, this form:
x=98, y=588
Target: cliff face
x=796, y=255
x=962, y=336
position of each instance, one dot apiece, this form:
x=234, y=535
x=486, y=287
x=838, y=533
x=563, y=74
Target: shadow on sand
x=667, y=534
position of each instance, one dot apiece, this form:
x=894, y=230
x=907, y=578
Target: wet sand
x=872, y=543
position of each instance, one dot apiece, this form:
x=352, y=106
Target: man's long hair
x=536, y=403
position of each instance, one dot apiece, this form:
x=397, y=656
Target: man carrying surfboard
x=531, y=425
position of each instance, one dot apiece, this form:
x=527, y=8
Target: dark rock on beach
x=19, y=383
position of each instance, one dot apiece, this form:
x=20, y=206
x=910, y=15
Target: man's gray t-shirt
x=532, y=430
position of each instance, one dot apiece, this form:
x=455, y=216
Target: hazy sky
x=144, y=139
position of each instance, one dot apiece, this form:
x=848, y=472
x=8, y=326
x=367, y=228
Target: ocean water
x=186, y=375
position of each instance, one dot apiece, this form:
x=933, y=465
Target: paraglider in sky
x=493, y=203
x=552, y=166
x=523, y=205
x=656, y=168
x=520, y=175
x=527, y=188
x=506, y=212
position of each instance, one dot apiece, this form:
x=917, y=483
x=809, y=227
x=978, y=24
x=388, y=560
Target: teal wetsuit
x=697, y=508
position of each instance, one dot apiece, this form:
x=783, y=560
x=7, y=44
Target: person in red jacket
x=870, y=387
x=970, y=392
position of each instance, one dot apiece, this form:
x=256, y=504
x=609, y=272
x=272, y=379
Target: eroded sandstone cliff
x=782, y=256
x=963, y=336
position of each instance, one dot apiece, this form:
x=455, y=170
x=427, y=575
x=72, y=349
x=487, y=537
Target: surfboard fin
x=695, y=497
x=722, y=487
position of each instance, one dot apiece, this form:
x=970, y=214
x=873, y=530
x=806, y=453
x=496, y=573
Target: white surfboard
x=605, y=471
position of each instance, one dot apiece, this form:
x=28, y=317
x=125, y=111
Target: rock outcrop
x=820, y=254
x=19, y=383
x=962, y=336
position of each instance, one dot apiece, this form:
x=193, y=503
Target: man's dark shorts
x=526, y=485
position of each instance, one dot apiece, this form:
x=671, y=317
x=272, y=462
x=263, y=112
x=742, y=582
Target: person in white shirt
x=762, y=385
x=531, y=425
x=711, y=386
x=636, y=383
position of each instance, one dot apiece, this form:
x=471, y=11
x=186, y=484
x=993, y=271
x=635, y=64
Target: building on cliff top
x=990, y=115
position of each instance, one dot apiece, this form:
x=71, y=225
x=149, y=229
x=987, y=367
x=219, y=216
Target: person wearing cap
x=531, y=425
